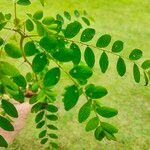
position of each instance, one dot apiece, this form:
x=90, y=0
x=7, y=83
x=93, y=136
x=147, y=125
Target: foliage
x=54, y=42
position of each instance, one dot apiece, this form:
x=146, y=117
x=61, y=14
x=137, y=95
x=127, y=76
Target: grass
x=127, y=20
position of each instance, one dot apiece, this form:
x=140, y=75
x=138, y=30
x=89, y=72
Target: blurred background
x=126, y=20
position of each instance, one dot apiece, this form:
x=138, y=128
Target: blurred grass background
x=129, y=21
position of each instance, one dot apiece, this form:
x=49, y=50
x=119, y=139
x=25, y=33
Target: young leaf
x=9, y=108
x=76, y=53
x=70, y=97
x=67, y=15
x=121, y=67
x=38, y=15
x=29, y=25
x=81, y=72
x=5, y=124
x=60, y=18
x=107, y=112
x=146, y=64
x=87, y=35
x=99, y=133
x=89, y=57
x=103, y=41
x=117, y=46
x=13, y=51
x=51, y=77
x=3, y=142
x=8, y=16
x=84, y=112
x=104, y=62
x=72, y=29
x=86, y=21
x=92, y=124
x=135, y=54
x=109, y=128
x=42, y=2
x=95, y=92
x=136, y=73
x=39, y=62
x=30, y=48
x=8, y=69
x=23, y=2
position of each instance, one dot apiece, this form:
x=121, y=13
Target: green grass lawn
x=129, y=21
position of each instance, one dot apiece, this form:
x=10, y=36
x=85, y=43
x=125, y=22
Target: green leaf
x=42, y=2
x=39, y=116
x=33, y=99
x=42, y=134
x=60, y=18
x=76, y=13
x=95, y=92
x=8, y=69
x=29, y=25
x=38, y=15
x=51, y=108
x=135, y=54
x=52, y=127
x=54, y=145
x=84, y=112
x=86, y=21
x=8, y=16
x=43, y=141
x=13, y=51
x=70, y=97
x=40, y=124
x=110, y=136
x=72, y=29
x=136, y=73
x=23, y=2
x=63, y=54
x=76, y=53
x=107, y=112
x=7, y=82
x=87, y=35
x=53, y=136
x=81, y=72
x=39, y=62
x=1, y=41
x=121, y=67
x=40, y=29
x=103, y=41
x=104, y=62
x=37, y=107
x=92, y=124
x=48, y=43
x=3, y=142
x=117, y=46
x=30, y=48
x=5, y=124
x=20, y=81
x=52, y=117
x=67, y=15
x=99, y=133
x=109, y=128
x=146, y=64
x=146, y=79
x=9, y=108
x=52, y=77
x=48, y=20
x=89, y=57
